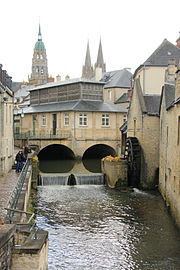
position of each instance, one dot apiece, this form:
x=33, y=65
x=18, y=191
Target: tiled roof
x=76, y=105
x=117, y=79
x=152, y=103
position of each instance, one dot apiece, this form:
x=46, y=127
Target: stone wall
x=33, y=254
x=115, y=172
x=169, y=183
x=6, y=246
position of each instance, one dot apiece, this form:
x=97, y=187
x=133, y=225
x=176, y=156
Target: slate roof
x=152, y=103
x=117, y=79
x=123, y=99
x=169, y=92
x=161, y=56
x=165, y=52
x=76, y=105
x=66, y=82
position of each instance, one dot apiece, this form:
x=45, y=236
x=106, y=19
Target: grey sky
x=130, y=31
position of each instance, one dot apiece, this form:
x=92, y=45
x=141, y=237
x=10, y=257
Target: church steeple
x=39, y=34
x=87, y=71
x=39, y=73
x=100, y=66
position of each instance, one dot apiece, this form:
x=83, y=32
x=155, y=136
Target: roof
x=76, y=105
x=161, y=56
x=66, y=82
x=169, y=92
x=152, y=103
x=123, y=99
x=117, y=79
x=39, y=46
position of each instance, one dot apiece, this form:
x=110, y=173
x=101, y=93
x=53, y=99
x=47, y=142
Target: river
x=92, y=227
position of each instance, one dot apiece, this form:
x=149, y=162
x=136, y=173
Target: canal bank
x=21, y=241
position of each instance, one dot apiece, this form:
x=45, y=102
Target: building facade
x=6, y=123
x=169, y=169
x=152, y=72
x=143, y=124
x=74, y=114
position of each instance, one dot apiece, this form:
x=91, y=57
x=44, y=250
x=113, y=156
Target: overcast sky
x=130, y=31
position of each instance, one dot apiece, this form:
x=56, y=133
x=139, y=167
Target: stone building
x=74, y=114
x=118, y=87
x=151, y=73
x=143, y=124
x=6, y=123
x=39, y=74
x=169, y=167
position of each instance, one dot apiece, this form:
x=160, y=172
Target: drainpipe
x=144, y=69
x=1, y=126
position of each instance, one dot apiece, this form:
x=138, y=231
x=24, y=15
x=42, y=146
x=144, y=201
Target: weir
x=66, y=179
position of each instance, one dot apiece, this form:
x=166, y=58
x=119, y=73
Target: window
x=42, y=71
x=105, y=119
x=66, y=119
x=83, y=119
x=110, y=95
x=124, y=118
x=43, y=120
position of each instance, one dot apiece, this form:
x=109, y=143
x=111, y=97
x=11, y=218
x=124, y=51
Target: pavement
x=7, y=185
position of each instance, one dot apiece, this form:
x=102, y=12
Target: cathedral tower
x=39, y=73
x=87, y=71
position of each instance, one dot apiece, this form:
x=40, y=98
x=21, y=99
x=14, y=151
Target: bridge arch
x=97, y=151
x=56, y=152
x=54, y=158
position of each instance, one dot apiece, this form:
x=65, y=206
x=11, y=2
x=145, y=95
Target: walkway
x=7, y=185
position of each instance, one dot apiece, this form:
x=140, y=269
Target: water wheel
x=133, y=155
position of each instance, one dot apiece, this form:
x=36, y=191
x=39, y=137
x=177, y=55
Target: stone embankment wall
x=33, y=254
x=115, y=172
x=6, y=246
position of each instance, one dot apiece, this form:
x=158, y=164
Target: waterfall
x=53, y=180
x=80, y=179
x=90, y=179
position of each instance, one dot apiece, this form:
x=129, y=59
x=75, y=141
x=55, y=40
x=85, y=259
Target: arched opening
x=93, y=155
x=56, y=158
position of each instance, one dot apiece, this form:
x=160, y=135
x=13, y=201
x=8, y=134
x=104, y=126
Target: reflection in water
x=56, y=166
x=92, y=165
x=94, y=228
x=72, y=166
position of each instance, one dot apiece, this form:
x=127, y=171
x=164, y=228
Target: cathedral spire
x=100, y=66
x=87, y=71
x=88, y=57
x=100, y=60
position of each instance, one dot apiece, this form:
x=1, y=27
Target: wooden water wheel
x=133, y=156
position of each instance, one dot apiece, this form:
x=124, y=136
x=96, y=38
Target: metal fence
x=12, y=204
x=48, y=134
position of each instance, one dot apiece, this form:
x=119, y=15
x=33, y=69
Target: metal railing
x=48, y=134
x=12, y=204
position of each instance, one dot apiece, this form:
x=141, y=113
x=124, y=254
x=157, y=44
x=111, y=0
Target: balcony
x=43, y=135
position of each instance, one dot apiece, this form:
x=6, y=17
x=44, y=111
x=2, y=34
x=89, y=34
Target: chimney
x=58, y=78
x=177, y=90
x=178, y=42
x=170, y=71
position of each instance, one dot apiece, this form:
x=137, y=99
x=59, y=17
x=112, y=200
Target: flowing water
x=92, y=227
